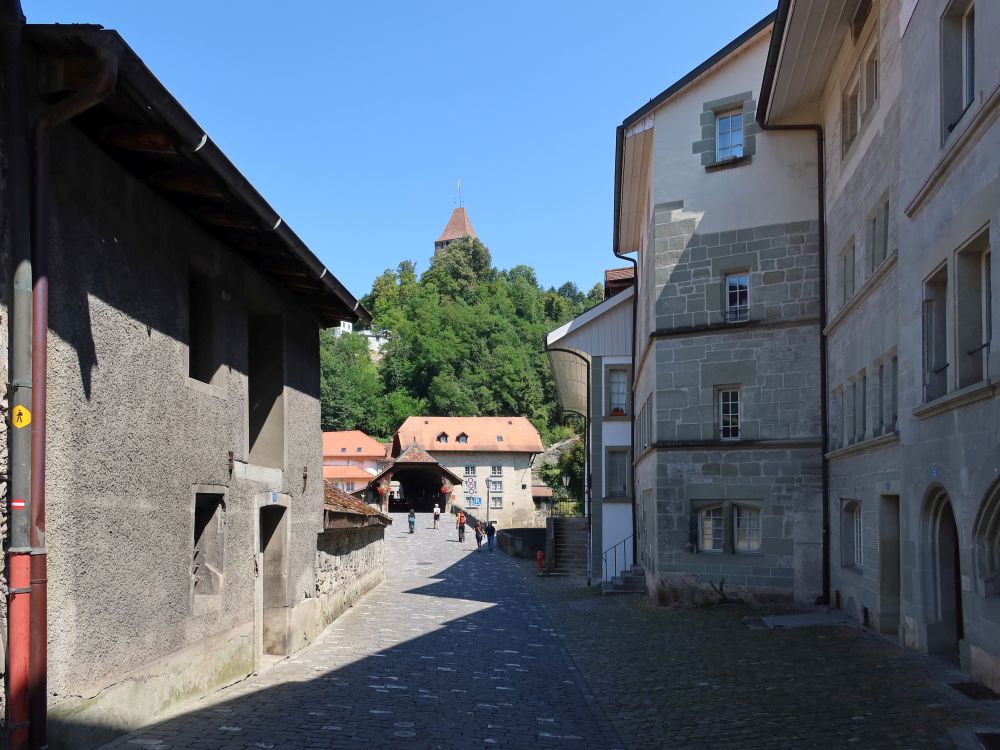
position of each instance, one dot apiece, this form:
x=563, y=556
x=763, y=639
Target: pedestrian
x=437, y=515
x=479, y=536
x=461, y=526
x=491, y=532
x=412, y=520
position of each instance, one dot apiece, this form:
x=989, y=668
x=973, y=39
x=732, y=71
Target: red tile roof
x=352, y=443
x=619, y=274
x=483, y=434
x=347, y=472
x=458, y=227
x=541, y=490
x=338, y=501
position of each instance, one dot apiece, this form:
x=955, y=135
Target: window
x=862, y=406
x=894, y=394
x=496, y=471
x=847, y=258
x=359, y=450
x=836, y=419
x=204, y=342
x=878, y=234
x=737, y=297
x=499, y=438
x=935, y=331
x=729, y=413
x=974, y=309
x=496, y=503
x=617, y=473
x=463, y=438
x=495, y=485
x=343, y=450
x=852, y=536
x=470, y=470
x=618, y=393
x=713, y=532
x=958, y=61
x=844, y=416
x=265, y=390
x=747, y=529
x=729, y=135
x=208, y=556
x=349, y=486
x=850, y=114
x=442, y=438
x=871, y=79
x=880, y=401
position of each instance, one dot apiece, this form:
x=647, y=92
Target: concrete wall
x=132, y=437
x=518, y=506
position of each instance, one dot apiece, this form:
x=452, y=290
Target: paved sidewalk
x=452, y=651
x=701, y=678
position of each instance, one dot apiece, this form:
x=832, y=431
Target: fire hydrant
x=541, y=556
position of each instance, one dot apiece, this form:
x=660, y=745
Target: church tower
x=458, y=227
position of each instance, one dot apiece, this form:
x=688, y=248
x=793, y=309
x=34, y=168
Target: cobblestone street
x=454, y=651
x=451, y=652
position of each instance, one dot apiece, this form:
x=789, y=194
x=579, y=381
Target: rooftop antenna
x=460, y=203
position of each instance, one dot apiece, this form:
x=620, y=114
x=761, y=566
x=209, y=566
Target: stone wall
x=349, y=564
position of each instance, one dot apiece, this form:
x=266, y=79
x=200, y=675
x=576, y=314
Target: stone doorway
x=889, y=565
x=945, y=636
x=272, y=581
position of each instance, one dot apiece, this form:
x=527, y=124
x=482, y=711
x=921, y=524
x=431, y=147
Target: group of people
x=489, y=530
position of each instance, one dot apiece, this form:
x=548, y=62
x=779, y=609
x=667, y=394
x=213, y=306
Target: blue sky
x=355, y=120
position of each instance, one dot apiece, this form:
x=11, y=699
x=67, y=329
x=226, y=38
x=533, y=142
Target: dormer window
x=499, y=438
x=343, y=450
x=463, y=438
x=443, y=437
x=359, y=450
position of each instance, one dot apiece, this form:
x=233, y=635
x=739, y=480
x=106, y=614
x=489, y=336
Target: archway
x=945, y=569
x=421, y=481
x=986, y=544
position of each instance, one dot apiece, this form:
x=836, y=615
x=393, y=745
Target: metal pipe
x=18, y=219
x=64, y=110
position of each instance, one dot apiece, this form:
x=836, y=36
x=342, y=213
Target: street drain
x=989, y=740
x=977, y=692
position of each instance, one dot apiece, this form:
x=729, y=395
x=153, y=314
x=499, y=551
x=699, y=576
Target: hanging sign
x=470, y=485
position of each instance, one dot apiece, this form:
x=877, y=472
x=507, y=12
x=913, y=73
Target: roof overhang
x=145, y=129
x=804, y=46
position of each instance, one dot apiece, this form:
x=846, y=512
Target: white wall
x=617, y=525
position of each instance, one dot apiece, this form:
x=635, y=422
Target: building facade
x=458, y=227
x=184, y=462
x=908, y=96
x=723, y=221
x=492, y=455
x=591, y=359
x=351, y=459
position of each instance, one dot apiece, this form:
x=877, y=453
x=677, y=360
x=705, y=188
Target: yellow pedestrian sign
x=20, y=417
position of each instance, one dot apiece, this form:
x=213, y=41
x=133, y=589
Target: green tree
x=350, y=384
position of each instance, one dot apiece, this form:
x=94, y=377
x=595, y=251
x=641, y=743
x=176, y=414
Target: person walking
x=460, y=521
x=412, y=520
x=491, y=532
x=479, y=536
x=437, y=515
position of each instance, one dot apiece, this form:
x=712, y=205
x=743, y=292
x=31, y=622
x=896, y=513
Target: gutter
x=767, y=85
x=619, y=155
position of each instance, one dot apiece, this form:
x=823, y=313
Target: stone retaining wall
x=349, y=564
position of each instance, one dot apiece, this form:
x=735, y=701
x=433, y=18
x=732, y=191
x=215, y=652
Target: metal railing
x=621, y=551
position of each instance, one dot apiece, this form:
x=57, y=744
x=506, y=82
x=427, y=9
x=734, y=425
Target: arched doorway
x=945, y=635
x=423, y=482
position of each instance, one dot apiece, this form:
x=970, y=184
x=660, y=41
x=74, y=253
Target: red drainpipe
x=66, y=109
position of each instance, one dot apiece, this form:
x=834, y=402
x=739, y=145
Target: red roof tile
x=338, y=501
x=619, y=274
x=486, y=434
x=458, y=227
x=347, y=472
x=352, y=443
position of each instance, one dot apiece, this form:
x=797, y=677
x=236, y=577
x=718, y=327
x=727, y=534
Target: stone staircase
x=632, y=581
x=570, y=546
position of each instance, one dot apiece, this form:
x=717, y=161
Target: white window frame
x=496, y=471
x=732, y=150
x=737, y=312
x=618, y=389
x=496, y=502
x=610, y=491
x=470, y=470
x=748, y=525
x=715, y=513
x=495, y=485
x=726, y=403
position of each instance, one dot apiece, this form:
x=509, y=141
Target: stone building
x=184, y=462
x=492, y=455
x=722, y=218
x=907, y=95
x=591, y=358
